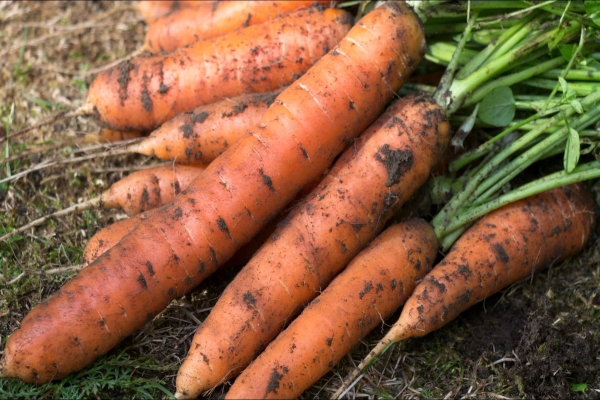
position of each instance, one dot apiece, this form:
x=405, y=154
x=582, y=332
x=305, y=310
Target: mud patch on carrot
x=396, y=162
x=124, y=79
x=273, y=384
x=267, y=180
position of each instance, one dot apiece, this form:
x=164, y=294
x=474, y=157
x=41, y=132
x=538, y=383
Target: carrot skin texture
x=376, y=283
x=183, y=27
x=109, y=236
x=143, y=93
x=202, y=134
x=378, y=173
x=176, y=248
x=150, y=188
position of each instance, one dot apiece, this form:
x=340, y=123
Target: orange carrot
x=111, y=135
x=206, y=132
x=507, y=245
x=185, y=26
x=375, y=283
x=153, y=9
x=145, y=92
x=343, y=213
x=150, y=188
x=177, y=247
x=110, y=235
x=137, y=192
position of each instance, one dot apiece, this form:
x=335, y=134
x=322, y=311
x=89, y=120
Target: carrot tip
x=180, y=395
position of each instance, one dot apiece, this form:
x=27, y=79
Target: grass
x=497, y=349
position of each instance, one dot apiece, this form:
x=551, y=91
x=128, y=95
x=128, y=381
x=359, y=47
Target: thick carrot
x=342, y=214
x=507, y=245
x=110, y=235
x=143, y=93
x=183, y=27
x=172, y=251
x=206, y=132
x=375, y=283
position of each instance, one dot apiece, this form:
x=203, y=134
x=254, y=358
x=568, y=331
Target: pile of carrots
x=263, y=107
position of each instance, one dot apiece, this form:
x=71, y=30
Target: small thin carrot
x=137, y=192
x=187, y=25
x=171, y=252
x=378, y=174
x=375, y=283
x=202, y=134
x=507, y=245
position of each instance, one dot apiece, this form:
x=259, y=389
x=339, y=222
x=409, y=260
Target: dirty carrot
x=202, y=134
x=175, y=249
x=110, y=235
x=137, y=192
x=507, y=245
x=185, y=26
x=373, y=286
x=144, y=92
x=379, y=173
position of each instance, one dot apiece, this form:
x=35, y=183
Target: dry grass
x=535, y=340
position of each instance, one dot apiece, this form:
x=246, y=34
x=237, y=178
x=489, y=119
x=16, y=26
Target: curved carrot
x=379, y=173
x=505, y=246
x=201, y=135
x=176, y=248
x=183, y=27
x=375, y=283
x=143, y=93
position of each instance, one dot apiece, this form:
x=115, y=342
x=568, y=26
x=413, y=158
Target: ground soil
x=537, y=339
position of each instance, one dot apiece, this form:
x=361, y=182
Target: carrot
x=153, y=9
x=375, y=283
x=111, y=135
x=348, y=208
x=110, y=235
x=177, y=247
x=183, y=27
x=143, y=93
x=202, y=134
x=507, y=245
x=137, y=192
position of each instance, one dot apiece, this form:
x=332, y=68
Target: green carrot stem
x=441, y=96
x=574, y=74
x=581, y=173
x=504, y=174
x=497, y=48
x=449, y=211
x=483, y=149
x=508, y=80
x=460, y=89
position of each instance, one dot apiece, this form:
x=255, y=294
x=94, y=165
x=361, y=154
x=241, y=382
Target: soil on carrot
x=537, y=339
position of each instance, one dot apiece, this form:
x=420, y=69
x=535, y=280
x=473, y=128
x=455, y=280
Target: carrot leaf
x=498, y=107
